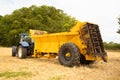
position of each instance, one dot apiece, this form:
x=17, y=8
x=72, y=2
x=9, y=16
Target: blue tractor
x=24, y=48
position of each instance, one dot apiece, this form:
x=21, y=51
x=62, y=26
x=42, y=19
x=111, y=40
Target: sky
x=105, y=13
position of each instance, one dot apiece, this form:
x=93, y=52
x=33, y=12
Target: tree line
x=112, y=46
x=43, y=17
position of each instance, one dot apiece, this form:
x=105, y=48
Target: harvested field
x=12, y=68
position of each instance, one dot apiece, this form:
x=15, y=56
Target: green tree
x=44, y=17
x=119, y=26
x=112, y=45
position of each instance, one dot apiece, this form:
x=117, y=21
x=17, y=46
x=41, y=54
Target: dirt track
x=45, y=69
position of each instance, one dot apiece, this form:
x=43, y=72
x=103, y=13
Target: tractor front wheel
x=22, y=52
x=14, y=51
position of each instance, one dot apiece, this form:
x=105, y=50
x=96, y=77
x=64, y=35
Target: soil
x=50, y=69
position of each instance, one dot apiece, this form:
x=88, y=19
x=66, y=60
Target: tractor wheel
x=14, y=51
x=69, y=55
x=22, y=52
x=83, y=61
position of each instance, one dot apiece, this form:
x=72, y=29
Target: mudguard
x=24, y=44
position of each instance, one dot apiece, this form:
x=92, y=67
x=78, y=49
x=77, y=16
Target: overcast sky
x=101, y=12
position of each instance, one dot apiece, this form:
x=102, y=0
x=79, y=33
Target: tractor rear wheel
x=69, y=55
x=22, y=52
x=14, y=51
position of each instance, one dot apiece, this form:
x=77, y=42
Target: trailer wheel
x=14, y=51
x=69, y=55
x=22, y=52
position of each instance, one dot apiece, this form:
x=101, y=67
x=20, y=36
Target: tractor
x=24, y=48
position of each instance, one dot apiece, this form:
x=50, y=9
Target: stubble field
x=12, y=68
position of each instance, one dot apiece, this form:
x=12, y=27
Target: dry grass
x=50, y=69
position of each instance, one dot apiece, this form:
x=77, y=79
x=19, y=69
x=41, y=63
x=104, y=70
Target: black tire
x=14, y=51
x=73, y=51
x=83, y=61
x=22, y=52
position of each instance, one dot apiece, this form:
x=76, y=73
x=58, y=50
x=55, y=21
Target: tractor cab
x=25, y=40
x=23, y=36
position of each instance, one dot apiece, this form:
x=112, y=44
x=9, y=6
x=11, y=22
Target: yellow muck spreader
x=81, y=45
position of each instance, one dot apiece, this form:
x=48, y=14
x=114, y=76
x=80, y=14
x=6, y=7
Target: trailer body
x=85, y=36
